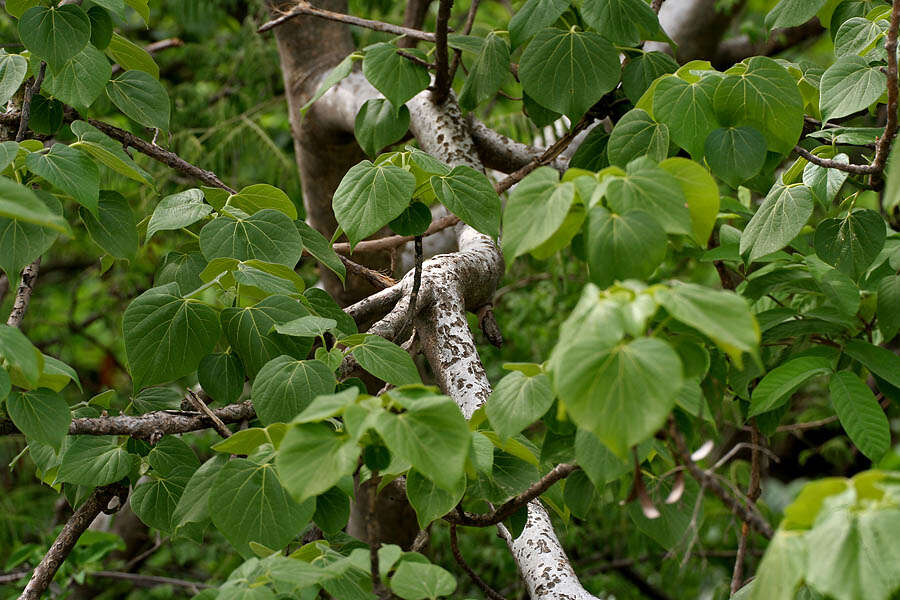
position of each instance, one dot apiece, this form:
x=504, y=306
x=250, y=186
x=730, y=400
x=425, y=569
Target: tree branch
x=736, y=49
x=30, y=91
x=23, y=294
x=303, y=8
x=442, y=79
x=829, y=163
x=62, y=546
x=883, y=146
x=481, y=583
x=151, y=580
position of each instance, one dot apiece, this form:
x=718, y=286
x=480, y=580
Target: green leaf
x=722, y=316
x=649, y=188
x=370, y=196
x=313, y=458
x=247, y=504
x=414, y=220
x=790, y=13
x=324, y=305
x=101, y=27
x=860, y=414
x=469, y=195
x=69, y=170
x=857, y=34
x=641, y=71
x=386, y=360
x=247, y=330
x=342, y=69
x=221, y=376
x=840, y=291
x=625, y=22
x=825, y=183
x=852, y=554
x=850, y=85
x=257, y=197
x=487, y=73
x=597, y=461
x=93, y=460
x=22, y=204
x=623, y=246
x=623, y=394
x=181, y=268
x=269, y=235
x=568, y=71
x=636, y=134
x=781, y=382
x=178, y=210
x=140, y=97
x=880, y=361
x=5, y=384
x=41, y=415
x=429, y=501
x=130, y=56
x=20, y=353
x=12, y=73
x=17, y=7
x=378, y=125
x=285, y=386
x=735, y=154
x=398, y=78
x=154, y=502
x=418, y=581
x=81, y=80
x=333, y=511
x=8, y=151
x=888, y=310
x=21, y=242
x=166, y=335
x=852, y=243
x=308, y=326
x=56, y=374
x=700, y=191
x=157, y=398
x=687, y=109
x=782, y=568
x=192, y=506
x=431, y=435
x=536, y=208
x=778, y=220
x=518, y=401
x=534, y=16
x=107, y=151
x=320, y=248
x=55, y=34
x=114, y=229
x=764, y=96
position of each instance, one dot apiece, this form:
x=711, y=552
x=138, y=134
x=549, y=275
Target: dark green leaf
x=789, y=13
x=269, y=236
x=623, y=246
x=398, y=78
x=735, y=154
x=636, y=134
x=69, y=170
x=469, y=195
x=428, y=500
x=370, y=196
x=285, y=386
x=248, y=331
x=777, y=221
x=93, y=460
x=652, y=189
x=641, y=71
x=101, y=27
x=487, y=73
x=316, y=244
x=781, y=382
x=221, y=376
x=141, y=97
x=888, y=310
x=20, y=353
x=41, y=415
x=81, y=80
x=852, y=243
x=534, y=16
x=379, y=124
x=114, y=229
x=624, y=22
x=414, y=220
x=386, y=360
x=880, y=361
x=537, y=207
x=860, y=414
x=55, y=34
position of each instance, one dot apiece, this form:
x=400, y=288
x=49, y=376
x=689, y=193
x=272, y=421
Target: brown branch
x=707, y=480
x=4, y=286
x=62, y=546
x=393, y=241
x=734, y=50
x=415, y=59
x=417, y=281
x=151, y=424
x=466, y=30
x=30, y=91
x=23, y=294
x=833, y=164
x=883, y=146
x=481, y=583
x=442, y=79
x=753, y=492
x=509, y=507
x=151, y=580
x=378, y=280
x=647, y=589
x=303, y=8
x=201, y=406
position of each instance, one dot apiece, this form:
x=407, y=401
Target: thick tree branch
x=62, y=546
x=151, y=425
x=304, y=8
x=696, y=26
x=503, y=154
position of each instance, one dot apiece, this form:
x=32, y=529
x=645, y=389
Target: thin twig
x=753, y=492
x=372, y=534
x=883, y=146
x=417, y=281
x=378, y=280
x=201, y=406
x=442, y=79
x=151, y=580
x=509, y=507
x=72, y=530
x=481, y=583
x=416, y=59
x=466, y=30
x=30, y=91
x=394, y=241
x=829, y=163
x=23, y=293
x=303, y=8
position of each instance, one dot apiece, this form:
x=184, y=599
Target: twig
x=509, y=507
x=753, y=492
x=807, y=424
x=707, y=479
x=23, y=294
x=393, y=241
x=72, y=530
x=417, y=281
x=151, y=580
x=442, y=79
x=30, y=91
x=151, y=424
x=466, y=30
x=883, y=146
x=637, y=580
x=303, y=8
x=416, y=59
x=378, y=280
x=201, y=406
x=481, y=583
x=829, y=163
x=656, y=5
